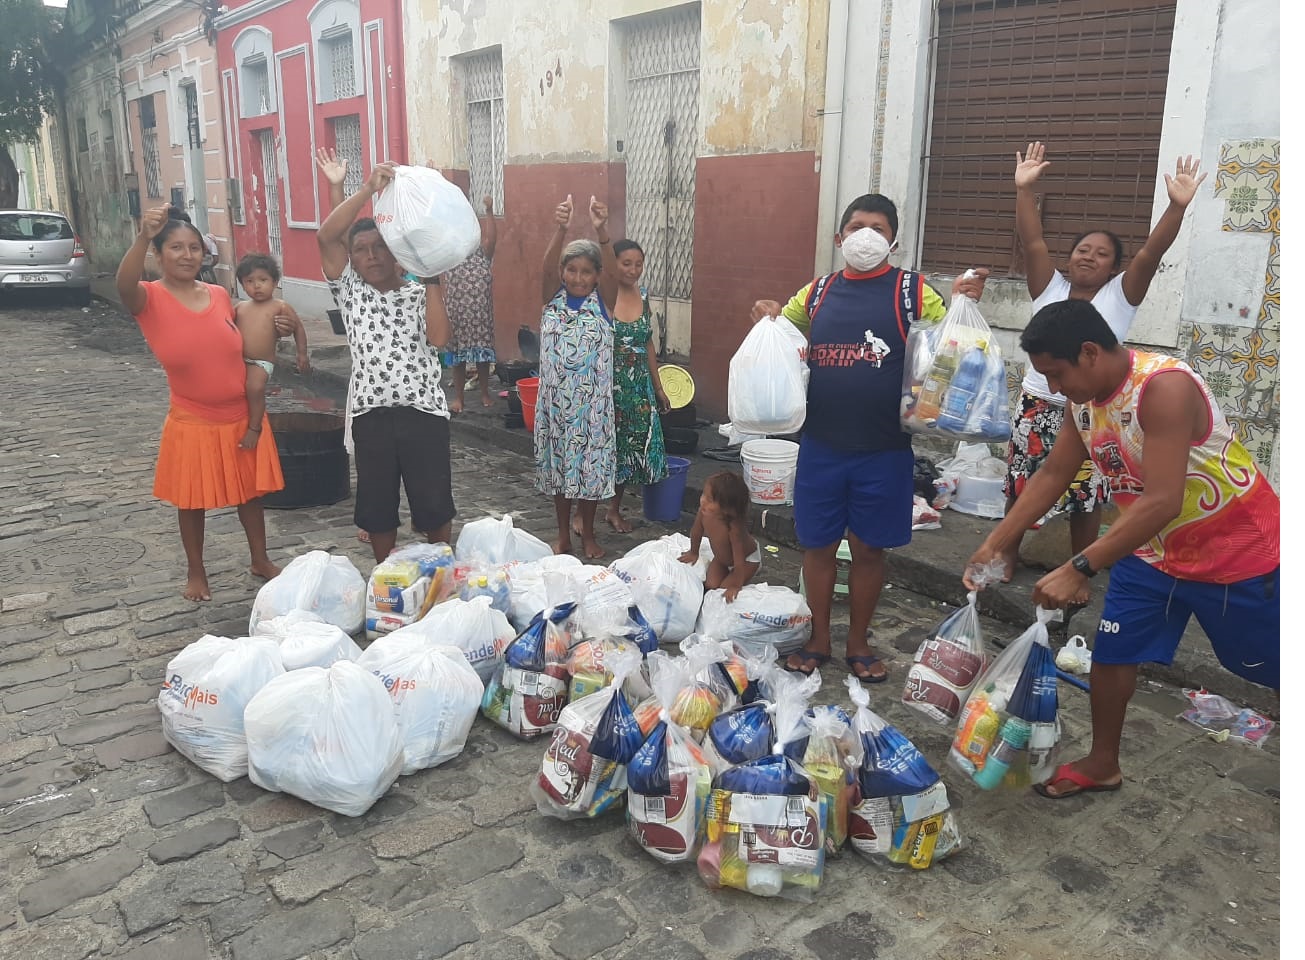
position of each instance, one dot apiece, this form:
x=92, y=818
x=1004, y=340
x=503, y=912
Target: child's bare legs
x=459, y=387
x=482, y=373
x=251, y=518
x=191, y=523
x=618, y=522
x=562, y=507
x=256, y=397
x=716, y=574
x=587, y=509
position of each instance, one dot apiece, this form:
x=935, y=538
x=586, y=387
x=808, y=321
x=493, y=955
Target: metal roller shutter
x=1087, y=77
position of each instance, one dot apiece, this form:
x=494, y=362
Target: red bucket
x=528, y=390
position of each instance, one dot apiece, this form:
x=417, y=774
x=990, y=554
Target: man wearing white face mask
x=855, y=467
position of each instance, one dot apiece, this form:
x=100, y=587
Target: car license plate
x=33, y=278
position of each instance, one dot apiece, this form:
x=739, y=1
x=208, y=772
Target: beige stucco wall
x=761, y=75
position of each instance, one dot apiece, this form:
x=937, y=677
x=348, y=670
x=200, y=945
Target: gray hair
x=583, y=248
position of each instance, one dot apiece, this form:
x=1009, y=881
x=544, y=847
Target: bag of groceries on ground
x=767, y=390
x=495, y=541
x=317, y=582
x=669, y=779
x=327, y=736
x=832, y=759
x=474, y=627
x=528, y=690
x=436, y=695
x=902, y=814
x=766, y=819
x=761, y=618
x=667, y=592
x=947, y=664
x=1008, y=733
x=527, y=592
x=205, y=690
x=583, y=772
x=427, y=222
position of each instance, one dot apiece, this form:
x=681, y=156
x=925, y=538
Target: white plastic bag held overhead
x=768, y=379
x=426, y=221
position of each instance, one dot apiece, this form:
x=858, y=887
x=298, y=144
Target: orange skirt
x=201, y=465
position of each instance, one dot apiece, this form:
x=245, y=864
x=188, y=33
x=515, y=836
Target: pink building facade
x=296, y=75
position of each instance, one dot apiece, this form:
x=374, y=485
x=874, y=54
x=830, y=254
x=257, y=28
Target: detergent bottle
x=976, y=730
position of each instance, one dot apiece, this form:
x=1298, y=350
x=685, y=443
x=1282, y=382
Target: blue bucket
x=662, y=500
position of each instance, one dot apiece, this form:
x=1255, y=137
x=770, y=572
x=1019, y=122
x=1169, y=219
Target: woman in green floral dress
x=636, y=387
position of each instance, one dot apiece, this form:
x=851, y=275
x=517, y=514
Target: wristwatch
x=1081, y=564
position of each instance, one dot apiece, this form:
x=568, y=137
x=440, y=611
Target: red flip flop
x=1085, y=784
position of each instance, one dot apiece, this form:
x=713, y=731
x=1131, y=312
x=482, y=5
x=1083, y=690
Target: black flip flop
x=724, y=455
x=807, y=655
x=867, y=661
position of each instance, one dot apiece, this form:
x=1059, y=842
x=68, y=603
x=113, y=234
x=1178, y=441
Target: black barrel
x=313, y=460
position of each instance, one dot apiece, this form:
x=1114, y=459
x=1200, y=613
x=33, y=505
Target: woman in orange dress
x=190, y=329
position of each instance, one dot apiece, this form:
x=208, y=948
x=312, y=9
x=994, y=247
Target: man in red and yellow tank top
x=1198, y=532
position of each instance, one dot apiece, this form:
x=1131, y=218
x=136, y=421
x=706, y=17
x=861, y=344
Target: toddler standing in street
x=256, y=317
x=723, y=518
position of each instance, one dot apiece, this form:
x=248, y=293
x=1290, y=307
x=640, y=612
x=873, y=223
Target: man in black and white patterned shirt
x=400, y=417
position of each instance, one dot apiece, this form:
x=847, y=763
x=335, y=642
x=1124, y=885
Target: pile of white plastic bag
x=317, y=582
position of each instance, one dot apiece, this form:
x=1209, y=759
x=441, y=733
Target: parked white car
x=40, y=251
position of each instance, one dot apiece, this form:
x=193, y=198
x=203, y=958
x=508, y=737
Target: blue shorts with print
x=870, y=494
x=1147, y=610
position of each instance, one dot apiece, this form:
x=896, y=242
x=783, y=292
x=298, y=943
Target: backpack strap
x=816, y=295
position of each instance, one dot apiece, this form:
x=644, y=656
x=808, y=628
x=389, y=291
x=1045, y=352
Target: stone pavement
x=115, y=846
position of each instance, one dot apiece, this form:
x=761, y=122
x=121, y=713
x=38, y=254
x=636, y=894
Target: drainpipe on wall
x=831, y=134
x=395, y=92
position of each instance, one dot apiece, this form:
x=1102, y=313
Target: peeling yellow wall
x=761, y=74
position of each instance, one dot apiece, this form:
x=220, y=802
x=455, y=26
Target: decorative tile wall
x=1240, y=361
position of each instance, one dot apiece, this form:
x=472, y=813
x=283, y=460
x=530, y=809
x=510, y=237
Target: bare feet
x=562, y=545
x=265, y=569
x=576, y=527
x=455, y=405
x=485, y=399
x=618, y=522
x=197, y=587
x=364, y=536
x=592, y=550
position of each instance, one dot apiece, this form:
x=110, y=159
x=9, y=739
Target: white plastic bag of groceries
x=473, y=626
x=328, y=736
x=495, y=541
x=310, y=644
x=203, y=699
x=761, y=618
x=526, y=592
x=668, y=593
x=768, y=379
x=676, y=544
x=436, y=695
x=427, y=222
x=318, y=582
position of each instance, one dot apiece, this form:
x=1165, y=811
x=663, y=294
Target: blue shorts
x=868, y=493
x=1147, y=610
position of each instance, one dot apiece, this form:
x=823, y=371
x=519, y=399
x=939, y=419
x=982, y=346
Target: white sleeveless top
x=1110, y=303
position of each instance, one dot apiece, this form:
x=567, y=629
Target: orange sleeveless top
x=1228, y=529
x=201, y=352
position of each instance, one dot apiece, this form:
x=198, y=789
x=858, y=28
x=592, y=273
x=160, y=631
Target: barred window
x=335, y=53
x=149, y=136
x=255, y=88
x=482, y=85
x=347, y=132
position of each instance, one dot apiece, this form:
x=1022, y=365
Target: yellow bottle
x=936, y=382
x=976, y=731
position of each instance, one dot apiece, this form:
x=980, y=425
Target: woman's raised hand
x=765, y=308
x=332, y=167
x=1183, y=184
x=563, y=212
x=380, y=178
x=1030, y=164
x=597, y=213
x=153, y=220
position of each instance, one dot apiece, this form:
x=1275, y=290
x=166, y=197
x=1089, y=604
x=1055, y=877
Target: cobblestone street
x=113, y=845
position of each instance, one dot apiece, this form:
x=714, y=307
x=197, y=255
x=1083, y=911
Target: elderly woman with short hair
x=575, y=423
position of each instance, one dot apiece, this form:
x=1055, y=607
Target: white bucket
x=980, y=496
x=769, y=469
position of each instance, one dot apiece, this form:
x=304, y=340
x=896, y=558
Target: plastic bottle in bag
x=963, y=390
x=936, y=382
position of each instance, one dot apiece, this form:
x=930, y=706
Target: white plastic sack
x=760, y=619
x=676, y=544
x=203, y=699
x=526, y=592
x=479, y=631
x=317, y=645
x=603, y=598
x=328, y=736
x=278, y=628
x=668, y=593
x=493, y=542
x=427, y=222
x=318, y=582
x=768, y=379
x=436, y=695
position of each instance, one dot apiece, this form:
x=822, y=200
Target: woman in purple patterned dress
x=469, y=297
